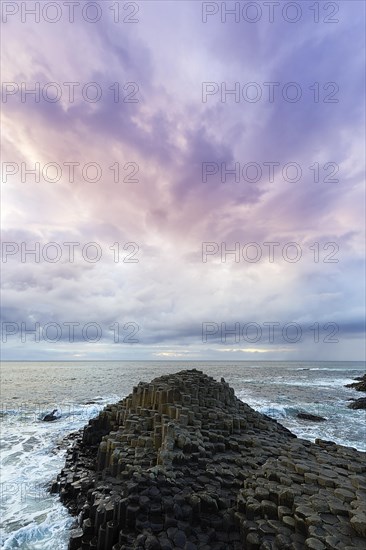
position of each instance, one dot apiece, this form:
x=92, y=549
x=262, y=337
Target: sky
x=190, y=178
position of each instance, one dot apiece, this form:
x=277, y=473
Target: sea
x=33, y=451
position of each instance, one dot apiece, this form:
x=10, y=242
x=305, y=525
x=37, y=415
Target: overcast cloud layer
x=164, y=292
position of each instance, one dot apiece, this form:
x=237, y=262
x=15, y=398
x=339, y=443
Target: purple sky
x=163, y=140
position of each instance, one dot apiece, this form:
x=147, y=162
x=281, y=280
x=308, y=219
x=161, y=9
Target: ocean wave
x=33, y=454
x=322, y=369
x=278, y=411
x=40, y=533
x=340, y=423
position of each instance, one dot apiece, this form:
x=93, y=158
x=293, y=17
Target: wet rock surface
x=360, y=385
x=358, y=403
x=183, y=463
x=50, y=417
x=311, y=417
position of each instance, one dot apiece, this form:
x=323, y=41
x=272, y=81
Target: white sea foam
x=47, y=531
x=343, y=426
x=31, y=457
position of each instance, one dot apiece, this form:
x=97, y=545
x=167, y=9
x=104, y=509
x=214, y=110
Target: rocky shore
x=360, y=385
x=183, y=463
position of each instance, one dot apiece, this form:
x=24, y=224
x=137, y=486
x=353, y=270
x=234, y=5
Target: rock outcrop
x=311, y=417
x=358, y=403
x=360, y=385
x=183, y=463
x=50, y=417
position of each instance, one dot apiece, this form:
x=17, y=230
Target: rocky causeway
x=183, y=463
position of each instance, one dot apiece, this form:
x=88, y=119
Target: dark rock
x=50, y=417
x=165, y=544
x=182, y=463
x=180, y=539
x=311, y=417
x=358, y=404
x=76, y=536
x=360, y=385
x=152, y=543
x=314, y=544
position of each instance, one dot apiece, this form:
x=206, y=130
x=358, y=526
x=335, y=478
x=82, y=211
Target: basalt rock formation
x=360, y=385
x=183, y=463
x=50, y=417
x=358, y=403
x=311, y=417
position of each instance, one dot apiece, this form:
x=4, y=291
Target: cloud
x=171, y=210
